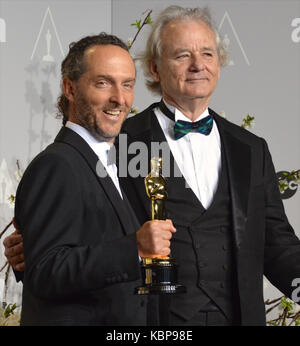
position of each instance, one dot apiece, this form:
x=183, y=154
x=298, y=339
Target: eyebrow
x=183, y=50
x=208, y=48
x=110, y=78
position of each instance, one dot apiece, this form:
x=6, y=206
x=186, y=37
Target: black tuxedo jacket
x=264, y=241
x=79, y=241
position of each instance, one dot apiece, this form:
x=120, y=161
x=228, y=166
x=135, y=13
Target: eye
x=128, y=85
x=101, y=83
x=182, y=56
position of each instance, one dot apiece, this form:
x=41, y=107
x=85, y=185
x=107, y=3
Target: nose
x=117, y=96
x=197, y=63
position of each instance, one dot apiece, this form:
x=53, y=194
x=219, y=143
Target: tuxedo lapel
x=238, y=156
x=78, y=143
x=139, y=129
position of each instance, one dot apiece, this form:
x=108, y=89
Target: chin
x=193, y=96
x=112, y=133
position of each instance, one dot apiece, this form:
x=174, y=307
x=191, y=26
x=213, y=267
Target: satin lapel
x=139, y=182
x=139, y=129
x=238, y=156
x=72, y=138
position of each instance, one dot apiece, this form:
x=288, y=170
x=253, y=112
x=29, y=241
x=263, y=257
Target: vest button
x=202, y=282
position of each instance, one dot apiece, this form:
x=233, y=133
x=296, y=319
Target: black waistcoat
x=202, y=245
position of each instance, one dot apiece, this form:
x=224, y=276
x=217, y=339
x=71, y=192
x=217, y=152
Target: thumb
x=173, y=229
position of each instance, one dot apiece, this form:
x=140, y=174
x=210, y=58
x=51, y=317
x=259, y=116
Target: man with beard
x=81, y=239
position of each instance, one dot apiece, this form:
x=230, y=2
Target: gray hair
x=154, y=44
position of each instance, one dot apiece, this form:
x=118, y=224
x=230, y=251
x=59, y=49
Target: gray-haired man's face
x=189, y=67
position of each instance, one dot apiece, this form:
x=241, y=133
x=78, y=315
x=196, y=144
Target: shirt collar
x=100, y=148
x=180, y=116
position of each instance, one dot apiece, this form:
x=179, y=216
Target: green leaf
x=149, y=20
x=282, y=185
x=11, y=199
x=247, y=122
x=137, y=23
x=9, y=310
x=286, y=304
x=134, y=110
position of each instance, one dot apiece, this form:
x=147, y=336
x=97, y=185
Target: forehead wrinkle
x=209, y=35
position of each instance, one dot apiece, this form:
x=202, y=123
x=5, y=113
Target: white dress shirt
x=197, y=156
x=101, y=149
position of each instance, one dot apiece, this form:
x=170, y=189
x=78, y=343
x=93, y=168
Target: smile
x=196, y=79
x=113, y=114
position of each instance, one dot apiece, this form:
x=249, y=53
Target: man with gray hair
x=226, y=206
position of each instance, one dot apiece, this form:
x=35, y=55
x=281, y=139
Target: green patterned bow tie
x=182, y=127
x=204, y=126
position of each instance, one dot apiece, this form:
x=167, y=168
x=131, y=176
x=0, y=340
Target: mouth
x=113, y=114
x=199, y=79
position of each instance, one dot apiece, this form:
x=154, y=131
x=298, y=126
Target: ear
x=69, y=89
x=153, y=68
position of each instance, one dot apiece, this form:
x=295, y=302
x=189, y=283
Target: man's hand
x=153, y=238
x=14, y=251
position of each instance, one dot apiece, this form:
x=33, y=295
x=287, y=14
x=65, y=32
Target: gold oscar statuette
x=159, y=273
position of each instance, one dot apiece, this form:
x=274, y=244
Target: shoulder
x=139, y=121
x=55, y=160
x=50, y=174
x=243, y=135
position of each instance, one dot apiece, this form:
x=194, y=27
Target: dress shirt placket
x=199, y=169
x=191, y=169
